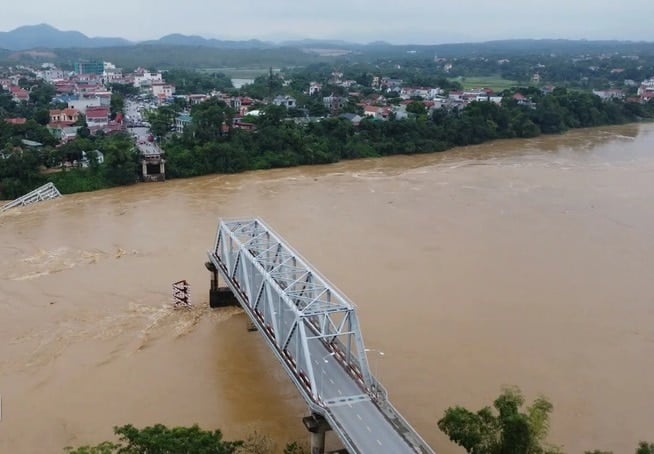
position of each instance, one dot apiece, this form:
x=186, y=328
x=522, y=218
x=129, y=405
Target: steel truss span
x=313, y=330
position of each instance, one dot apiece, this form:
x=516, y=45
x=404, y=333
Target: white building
x=162, y=90
x=144, y=78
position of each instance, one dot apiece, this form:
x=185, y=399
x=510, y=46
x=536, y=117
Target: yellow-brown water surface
x=524, y=262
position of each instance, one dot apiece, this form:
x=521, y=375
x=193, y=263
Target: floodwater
x=524, y=262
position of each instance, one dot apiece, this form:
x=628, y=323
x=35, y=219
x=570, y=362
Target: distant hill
x=39, y=41
x=320, y=43
x=177, y=39
x=46, y=36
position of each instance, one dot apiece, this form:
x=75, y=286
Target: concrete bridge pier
x=317, y=427
x=219, y=296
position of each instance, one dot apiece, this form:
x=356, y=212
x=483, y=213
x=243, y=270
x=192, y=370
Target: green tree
x=508, y=430
x=42, y=116
x=645, y=448
x=159, y=439
x=416, y=107
x=117, y=104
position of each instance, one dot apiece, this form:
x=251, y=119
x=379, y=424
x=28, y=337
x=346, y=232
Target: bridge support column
x=317, y=427
x=219, y=296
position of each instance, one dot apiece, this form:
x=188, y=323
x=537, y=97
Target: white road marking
x=380, y=443
x=359, y=416
x=368, y=427
x=331, y=381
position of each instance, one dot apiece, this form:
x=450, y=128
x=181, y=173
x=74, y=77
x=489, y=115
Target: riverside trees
x=211, y=143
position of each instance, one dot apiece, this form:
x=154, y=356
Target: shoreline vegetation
x=207, y=148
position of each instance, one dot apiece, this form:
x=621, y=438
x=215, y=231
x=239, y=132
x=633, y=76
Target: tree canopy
x=507, y=430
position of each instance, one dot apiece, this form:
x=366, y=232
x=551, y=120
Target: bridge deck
x=314, y=332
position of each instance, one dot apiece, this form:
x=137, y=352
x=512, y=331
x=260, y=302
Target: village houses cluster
x=85, y=92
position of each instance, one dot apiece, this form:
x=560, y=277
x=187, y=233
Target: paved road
x=362, y=420
x=350, y=406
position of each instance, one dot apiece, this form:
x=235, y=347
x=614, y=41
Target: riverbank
x=278, y=142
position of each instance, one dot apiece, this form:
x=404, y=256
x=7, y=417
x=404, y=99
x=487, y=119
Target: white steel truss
x=304, y=319
x=296, y=306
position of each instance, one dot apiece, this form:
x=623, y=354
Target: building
x=143, y=78
x=287, y=101
x=97, y=116
x=162, y=90
x=62, y=132
x=19, y=94
x=89, y=67
x=606, y=95
x=334, y=103
x=66, y=116
x=646, y=90
x=182, y=121
x=84, y=104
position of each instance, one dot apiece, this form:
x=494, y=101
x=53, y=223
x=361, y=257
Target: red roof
x=16, y=121
x=97, y=112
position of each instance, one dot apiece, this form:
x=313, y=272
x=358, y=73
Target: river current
x=522, y=262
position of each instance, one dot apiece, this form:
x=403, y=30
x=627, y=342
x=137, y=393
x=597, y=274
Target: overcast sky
x=396, y=21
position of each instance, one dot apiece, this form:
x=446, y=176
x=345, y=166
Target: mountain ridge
x=45, y=36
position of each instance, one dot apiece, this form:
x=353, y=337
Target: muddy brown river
x=523, y=262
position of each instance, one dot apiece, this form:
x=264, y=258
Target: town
x=187, y=122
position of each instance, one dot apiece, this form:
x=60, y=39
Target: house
x=65, y=87
x=65, y=117
x=606, y=95
x=143, y=78
x=238, y=124
x=235, y=103
x=196, y=98
x=97, y=116
x=373, y=112
x=646, y=90
x=352, y=118
x=19, y=94
x=183, y=120
x=62, y=131
x=334, y=103
x=162, y=91
x=51, y=75
x=286, y=101
x=83, y=104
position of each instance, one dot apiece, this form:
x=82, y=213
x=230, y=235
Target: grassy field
x=494, y=82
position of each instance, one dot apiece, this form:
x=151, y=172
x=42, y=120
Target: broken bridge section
x=45, y=192
x=313, y=330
